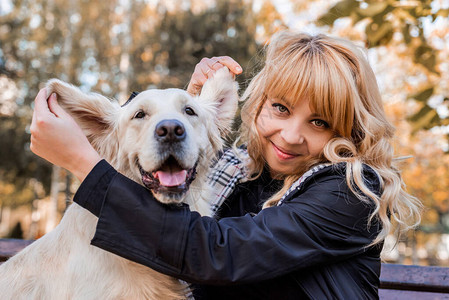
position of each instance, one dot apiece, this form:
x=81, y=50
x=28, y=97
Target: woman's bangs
x=287, y=81
x=331, y=99
x=322, y=101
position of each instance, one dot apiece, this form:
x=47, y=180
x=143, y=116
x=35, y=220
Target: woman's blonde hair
x=336, y=77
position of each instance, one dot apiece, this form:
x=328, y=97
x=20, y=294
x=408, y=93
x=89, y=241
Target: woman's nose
x=293, y=135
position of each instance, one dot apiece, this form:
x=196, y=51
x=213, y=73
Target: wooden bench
x=397, y=281
x=413, y=282
x=9, y=247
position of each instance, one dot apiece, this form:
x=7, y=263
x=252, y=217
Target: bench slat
x=416, y=278
x=410, y=295
x=9, y=247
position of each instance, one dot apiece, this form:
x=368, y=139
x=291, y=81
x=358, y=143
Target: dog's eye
x=139, y=115
x=190, y=111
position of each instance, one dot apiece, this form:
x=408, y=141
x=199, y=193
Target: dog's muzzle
x=169, y=179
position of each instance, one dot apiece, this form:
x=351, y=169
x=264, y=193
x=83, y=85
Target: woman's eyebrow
x=281, y=99
x=316, y=115
x=284, y=101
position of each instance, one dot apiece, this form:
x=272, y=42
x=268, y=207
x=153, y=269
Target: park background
x=119, y=46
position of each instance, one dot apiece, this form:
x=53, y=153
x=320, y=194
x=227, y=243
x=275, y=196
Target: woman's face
x=290, y=134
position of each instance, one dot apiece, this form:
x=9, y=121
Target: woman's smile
x=283, y=154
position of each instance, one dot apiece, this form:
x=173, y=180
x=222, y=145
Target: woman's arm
x=324, y=224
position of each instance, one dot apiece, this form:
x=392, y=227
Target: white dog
x=163, y=139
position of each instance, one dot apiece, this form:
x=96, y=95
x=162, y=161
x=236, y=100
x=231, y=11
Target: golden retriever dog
x=162, y=139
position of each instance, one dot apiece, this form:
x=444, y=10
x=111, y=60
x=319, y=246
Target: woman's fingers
x=213, y=64
x=199, y=77
x=229, y=62
x=55, y=108
x=196, y=82
x=41, y=111
x=40, y=103
x=207, y=67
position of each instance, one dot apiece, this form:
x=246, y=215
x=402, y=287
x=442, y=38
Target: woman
x=315, y=153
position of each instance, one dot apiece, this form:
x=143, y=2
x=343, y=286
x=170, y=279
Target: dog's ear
x=221, y=92
x=95, y=113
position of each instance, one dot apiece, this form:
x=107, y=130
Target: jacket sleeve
x=323, y=224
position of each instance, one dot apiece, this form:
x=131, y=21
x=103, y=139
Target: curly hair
x=336, y=77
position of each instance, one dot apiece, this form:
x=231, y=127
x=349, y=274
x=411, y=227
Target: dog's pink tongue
x=171, y=178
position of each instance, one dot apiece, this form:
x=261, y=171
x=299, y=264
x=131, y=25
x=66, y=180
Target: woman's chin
x=282, y=169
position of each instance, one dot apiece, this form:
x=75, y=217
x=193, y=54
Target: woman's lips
x=282, y=154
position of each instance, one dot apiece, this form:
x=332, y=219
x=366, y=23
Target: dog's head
x=162, y=139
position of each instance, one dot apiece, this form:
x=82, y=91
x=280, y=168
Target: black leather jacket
x=313, y=246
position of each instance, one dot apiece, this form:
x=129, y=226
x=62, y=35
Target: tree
x=168, y=52
x=403, y=23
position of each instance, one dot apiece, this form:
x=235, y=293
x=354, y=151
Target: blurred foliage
x=397, y=22
x=425, y=169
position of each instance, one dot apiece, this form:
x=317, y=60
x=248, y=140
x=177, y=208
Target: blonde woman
x=303, y=204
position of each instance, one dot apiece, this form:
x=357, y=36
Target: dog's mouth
x=169, y=178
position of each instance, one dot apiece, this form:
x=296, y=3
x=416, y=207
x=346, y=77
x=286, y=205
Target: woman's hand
x=207, y=67
x=56, y=137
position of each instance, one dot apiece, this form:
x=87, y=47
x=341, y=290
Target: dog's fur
x=62, y=264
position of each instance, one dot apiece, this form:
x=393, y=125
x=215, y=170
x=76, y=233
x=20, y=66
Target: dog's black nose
x=170, y=131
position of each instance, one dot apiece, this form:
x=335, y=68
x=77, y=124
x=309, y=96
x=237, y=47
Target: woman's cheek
x=264, y=122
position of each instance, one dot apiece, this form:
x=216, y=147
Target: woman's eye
x=139, y=115
x=280, y=108
x=320, y=123
x=190, y=111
